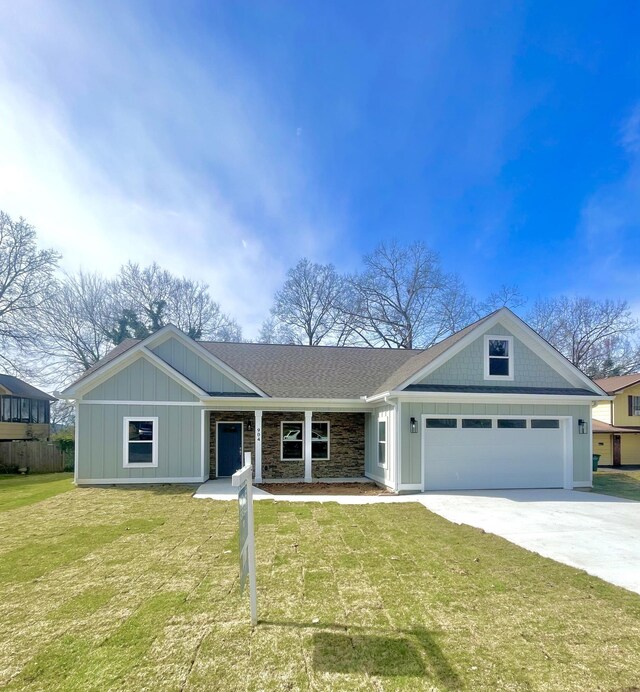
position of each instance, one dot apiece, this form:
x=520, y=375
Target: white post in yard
x=243, y=480
x=258, y=422
x=307, y=445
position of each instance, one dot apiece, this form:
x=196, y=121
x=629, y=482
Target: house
x=493, y=406
x=24, y=410
x=616, y=423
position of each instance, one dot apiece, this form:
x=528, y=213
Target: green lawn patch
x=17, y=491
x=620, y=483
x=137, y=588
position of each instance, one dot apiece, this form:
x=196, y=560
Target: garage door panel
x=467, y=458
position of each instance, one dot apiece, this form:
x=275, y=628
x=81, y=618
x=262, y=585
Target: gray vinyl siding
x=411, y=455
x=140, y=381
x=195, y=368
x=100, y=441
x=372, y=470
x=467, y=367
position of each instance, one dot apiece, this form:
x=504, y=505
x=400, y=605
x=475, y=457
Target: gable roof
x=330, y=372
x=17, y=387
x=611, y=385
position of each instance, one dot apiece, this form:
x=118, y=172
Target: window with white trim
x=320, y=440
x=292, y=441
x=382, y=442
x=140, y=442
x=498, y=358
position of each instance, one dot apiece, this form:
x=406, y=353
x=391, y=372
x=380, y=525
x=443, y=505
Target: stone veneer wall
x=248, y=440
x=346, y=444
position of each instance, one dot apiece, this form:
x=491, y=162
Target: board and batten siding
x=467, y=367
x=192, y=366
x=140, y=381
x=411, y=443
x=100, y=442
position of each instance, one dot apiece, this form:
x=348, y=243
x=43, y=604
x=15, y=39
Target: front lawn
x=17, y=491
x=138, y=589
x=623, y=483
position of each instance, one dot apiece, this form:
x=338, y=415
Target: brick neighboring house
x=492, y=406
x=616, y=423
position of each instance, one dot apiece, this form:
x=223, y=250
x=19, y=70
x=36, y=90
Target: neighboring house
x=24, y=410
x=493, y=406
x=616, y=423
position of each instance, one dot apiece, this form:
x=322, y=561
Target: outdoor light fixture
x=413, y=425
x=582, y=426
x=249, y=426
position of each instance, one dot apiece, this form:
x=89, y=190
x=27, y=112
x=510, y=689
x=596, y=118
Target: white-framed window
x=140, y=437
x=382, y=442
x=292, y=440
x=320, y=440
x=498, y=357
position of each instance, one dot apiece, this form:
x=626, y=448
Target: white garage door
x=481, y=452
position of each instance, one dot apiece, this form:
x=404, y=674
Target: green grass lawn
x=17, y=491
x=137, y=589
x=621, y=483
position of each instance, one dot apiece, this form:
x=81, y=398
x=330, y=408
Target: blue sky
x=227, y=140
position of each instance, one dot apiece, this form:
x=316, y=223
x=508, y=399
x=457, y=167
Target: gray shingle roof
x=18, y=387
x=493, y=389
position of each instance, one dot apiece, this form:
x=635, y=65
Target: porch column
x=307, y=445
x=258, y=451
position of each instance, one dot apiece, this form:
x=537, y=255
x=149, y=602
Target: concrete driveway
x=597, y=533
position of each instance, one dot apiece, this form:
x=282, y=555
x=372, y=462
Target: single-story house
x=492, y=406
x=616, y=423
x=24, y=410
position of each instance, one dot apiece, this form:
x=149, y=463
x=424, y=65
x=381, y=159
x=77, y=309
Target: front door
x=229, y=448
x=616, y=450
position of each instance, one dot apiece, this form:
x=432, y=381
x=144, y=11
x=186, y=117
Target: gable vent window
x=140, y=442
x=498, y=358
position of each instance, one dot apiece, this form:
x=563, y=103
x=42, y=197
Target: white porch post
x=258, y=453
x=307, y=445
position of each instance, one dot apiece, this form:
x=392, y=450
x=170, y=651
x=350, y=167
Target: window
x=634, y=405
x=512, y=423
x=140, y=442
x=319, y=440
x=5, y=409
x=442, y=423
x=498, y=358
x=544, y=423
x=382, y=443
x=292, y=437
x=476, y=423
x=25, y=410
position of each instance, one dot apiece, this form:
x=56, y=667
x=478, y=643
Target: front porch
x=287, y=445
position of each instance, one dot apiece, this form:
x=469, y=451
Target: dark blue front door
x=229, y=448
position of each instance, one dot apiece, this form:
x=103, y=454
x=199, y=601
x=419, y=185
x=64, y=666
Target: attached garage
x=495, y=452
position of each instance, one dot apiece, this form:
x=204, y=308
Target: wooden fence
x=35, y=455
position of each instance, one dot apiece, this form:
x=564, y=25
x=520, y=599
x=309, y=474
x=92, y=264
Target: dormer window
x=498, y=358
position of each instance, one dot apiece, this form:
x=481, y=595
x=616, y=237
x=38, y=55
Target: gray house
x=493, y=406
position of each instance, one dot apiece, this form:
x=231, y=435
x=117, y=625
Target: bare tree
x=595, y=335
x=26, y=277
x=309, y=304
x=403, y=299
x=273, y=332
x=147, y=298
x=503, y=297
x=72, y=329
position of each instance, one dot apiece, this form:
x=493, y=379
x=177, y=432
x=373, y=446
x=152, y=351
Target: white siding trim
x=203, y=439
x=582, y=484
x=308, y=475
x=127, y=481
x=258, y=446
x=125, y=402
x=76, y=444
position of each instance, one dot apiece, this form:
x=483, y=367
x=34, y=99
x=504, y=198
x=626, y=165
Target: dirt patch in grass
x=323, y=489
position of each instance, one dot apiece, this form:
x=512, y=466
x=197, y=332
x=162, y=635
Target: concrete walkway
x=597, y=533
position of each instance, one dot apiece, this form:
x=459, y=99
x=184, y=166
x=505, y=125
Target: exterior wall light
x=582, y=426
x=249, y=426
x=413, y=425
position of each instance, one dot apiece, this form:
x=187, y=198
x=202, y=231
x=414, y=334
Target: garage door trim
x=566, y=425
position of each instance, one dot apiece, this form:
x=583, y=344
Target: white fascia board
x=527, y=335
x=171, y=330
x=282, y=403
x=496, y=398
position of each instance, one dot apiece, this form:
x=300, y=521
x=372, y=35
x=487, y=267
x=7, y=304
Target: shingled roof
x=16, y=387
x=611, y=385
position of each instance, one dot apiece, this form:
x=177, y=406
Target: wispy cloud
x=118, y=144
